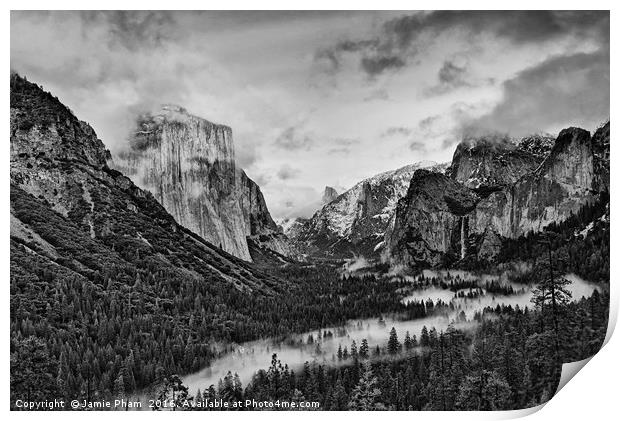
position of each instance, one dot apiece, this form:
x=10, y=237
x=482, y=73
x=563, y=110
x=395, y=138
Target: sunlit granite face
x=188, y=163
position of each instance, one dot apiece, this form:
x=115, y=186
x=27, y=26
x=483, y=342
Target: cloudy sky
x=324, y=98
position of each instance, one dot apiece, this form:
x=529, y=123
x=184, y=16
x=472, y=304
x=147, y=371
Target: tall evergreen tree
x=364, y=349
x=393, y=346
x=366, y=395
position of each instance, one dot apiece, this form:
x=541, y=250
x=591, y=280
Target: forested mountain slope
x=103, y=280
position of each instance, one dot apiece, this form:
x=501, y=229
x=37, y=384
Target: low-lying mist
x=246, y=359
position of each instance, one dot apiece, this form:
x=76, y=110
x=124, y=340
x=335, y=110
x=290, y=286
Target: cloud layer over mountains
x=324, y=98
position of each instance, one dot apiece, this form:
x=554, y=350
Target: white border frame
x=592, y=394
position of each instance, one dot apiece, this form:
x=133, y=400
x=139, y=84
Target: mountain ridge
x=58, y=163
x=355, y=221
x=509, y=200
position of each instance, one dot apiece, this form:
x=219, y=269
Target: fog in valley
x=246, y=359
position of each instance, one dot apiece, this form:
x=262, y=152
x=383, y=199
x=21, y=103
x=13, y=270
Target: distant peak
x=329, y=194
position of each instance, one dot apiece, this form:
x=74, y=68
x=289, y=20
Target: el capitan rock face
x=188, y=163
x=511, y=190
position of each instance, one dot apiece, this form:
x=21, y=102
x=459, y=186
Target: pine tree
x=173, y=390
x=317, y=350
x=237, y=388
x=439, y=373
x=364, y=350
x=199, y=397
x=345, y=353
x=408, y=343
x=510, y=365
x=552, y=294
x=119, y=387
x=354, y=353
x=393, y=346
x=226, y=389
x=366, y=395
x=64, y=372
x=424, y=337
x=339, y=398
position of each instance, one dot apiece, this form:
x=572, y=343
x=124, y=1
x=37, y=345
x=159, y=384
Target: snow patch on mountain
x=356, y=221
x=340, y=215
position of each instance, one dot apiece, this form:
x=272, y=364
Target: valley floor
x=347, y=341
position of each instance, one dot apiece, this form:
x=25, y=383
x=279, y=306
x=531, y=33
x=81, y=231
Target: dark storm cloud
x=518, y=26
x=403, y=37
x=560, y=92
x=126, y=57
x=452, y=74
x=374, y=66
x=332, y=54
x=455, y=74
x=142, y=29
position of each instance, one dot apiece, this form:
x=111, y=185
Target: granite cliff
x=188, y=163
x=329, y=195
x=490, y=162
x=497, y=189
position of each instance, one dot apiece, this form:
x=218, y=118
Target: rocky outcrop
x=188, y=163
x=538, y=145
x=72, y=211
x=600, y=145
x=429, y=219
x=560, y=187
x=355, y=222
x=494, y=161
x=292, y=227
x=329, y=195
x=495, y=192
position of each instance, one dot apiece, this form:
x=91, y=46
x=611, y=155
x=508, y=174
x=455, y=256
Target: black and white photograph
x=305, y=210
